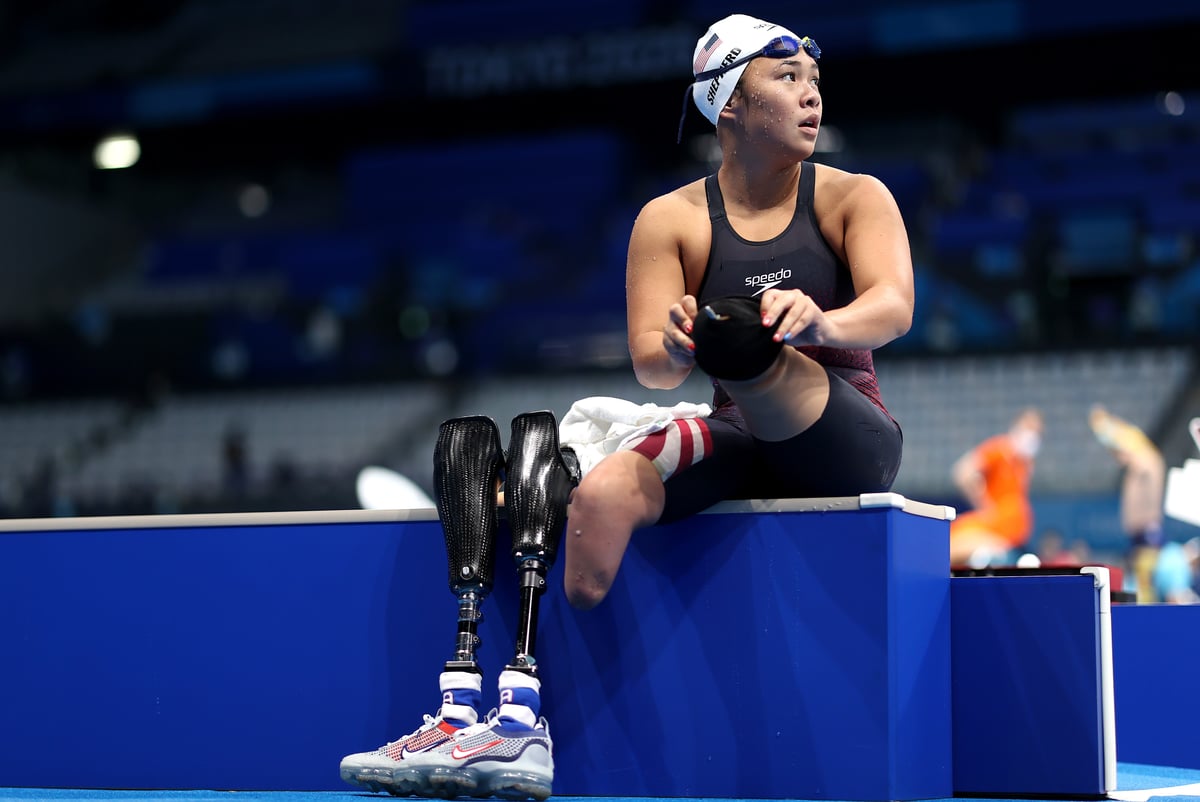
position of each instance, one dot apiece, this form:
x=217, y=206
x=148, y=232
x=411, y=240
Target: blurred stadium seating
x=329, y=246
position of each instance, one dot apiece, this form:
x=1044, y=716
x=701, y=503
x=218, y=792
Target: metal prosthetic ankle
x=538, y=484
x=468, y=461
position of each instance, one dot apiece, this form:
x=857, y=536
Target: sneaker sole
x=397, y=782
x=514, y=785
x=371, y=779
x=448, y=783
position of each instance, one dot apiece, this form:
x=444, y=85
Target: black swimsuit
x=855, y=446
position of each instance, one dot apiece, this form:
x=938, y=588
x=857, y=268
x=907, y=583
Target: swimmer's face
x=779, y=101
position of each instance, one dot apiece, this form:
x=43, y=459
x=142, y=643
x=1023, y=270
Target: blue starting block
x=1033, y=684
x=769, y=649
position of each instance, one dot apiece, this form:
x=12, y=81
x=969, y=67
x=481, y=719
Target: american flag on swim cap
x=712, y=44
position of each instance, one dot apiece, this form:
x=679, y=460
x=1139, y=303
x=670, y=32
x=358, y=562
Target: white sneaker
x=492, y=758
x=396, y=767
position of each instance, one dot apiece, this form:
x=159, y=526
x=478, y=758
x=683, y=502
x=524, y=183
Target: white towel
x=599, y=425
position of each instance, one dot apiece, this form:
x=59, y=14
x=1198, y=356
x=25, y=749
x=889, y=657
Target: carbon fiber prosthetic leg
x=467, y=463
x=539, y=481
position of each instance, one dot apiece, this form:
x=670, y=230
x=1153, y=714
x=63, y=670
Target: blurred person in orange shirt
x=994, y=479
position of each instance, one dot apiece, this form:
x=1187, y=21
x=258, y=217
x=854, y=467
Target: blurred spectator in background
x=40, y=490
x=235, y=465
x=1052, y=550
x=994, y=479
x=1142, y=488
x=1176, y=573
x=1081, y=552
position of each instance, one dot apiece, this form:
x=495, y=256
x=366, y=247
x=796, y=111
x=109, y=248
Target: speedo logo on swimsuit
x=767, y=280
x=716, y=82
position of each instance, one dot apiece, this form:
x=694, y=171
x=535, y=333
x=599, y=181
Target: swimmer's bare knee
x=584, y=594
x=612, y=479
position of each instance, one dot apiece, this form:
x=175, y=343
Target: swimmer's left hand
x=801, y=321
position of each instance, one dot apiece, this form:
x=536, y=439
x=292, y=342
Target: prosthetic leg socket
x=468, y=461
x=540, y=478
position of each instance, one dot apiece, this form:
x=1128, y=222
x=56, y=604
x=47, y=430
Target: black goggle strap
x=687, y=96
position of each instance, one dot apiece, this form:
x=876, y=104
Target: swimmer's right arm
x=659, y=314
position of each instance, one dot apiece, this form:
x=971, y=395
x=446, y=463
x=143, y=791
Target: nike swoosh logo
x=426, y=740
x=764, y=288
x=459, y=754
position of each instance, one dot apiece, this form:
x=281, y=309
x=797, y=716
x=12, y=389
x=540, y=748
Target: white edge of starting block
x=1108, y=706
x=197, y=520
x=835, y=504
x=188, y=520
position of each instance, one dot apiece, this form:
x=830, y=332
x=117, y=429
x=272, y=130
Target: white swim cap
x=724, y=42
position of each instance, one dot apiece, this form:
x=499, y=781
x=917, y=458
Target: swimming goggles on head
x=779, y=47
